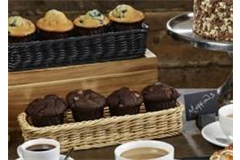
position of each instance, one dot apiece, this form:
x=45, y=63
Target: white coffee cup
x=52, y=154
x=226, y=122
x=145, y=143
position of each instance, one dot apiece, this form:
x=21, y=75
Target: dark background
x=180, y=65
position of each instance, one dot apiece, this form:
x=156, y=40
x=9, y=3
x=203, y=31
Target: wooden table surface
x=189, y=144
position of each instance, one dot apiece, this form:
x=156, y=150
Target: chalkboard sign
x=201, y=103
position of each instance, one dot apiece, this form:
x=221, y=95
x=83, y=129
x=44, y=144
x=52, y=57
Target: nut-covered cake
x=213, y=19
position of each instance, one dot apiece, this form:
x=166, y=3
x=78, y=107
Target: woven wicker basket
x=108, y=130
x=104, y=47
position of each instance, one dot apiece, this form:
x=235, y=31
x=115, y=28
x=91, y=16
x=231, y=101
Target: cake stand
x=180, y=29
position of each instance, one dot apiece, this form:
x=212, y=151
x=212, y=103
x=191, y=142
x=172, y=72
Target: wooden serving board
x=24, y=87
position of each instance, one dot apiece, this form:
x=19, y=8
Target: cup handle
x=230, y=138
x=20, y=152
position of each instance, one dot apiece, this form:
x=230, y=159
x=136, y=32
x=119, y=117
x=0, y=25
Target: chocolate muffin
x=20, y=30
x=47, y=111
x=159, y=96
x=125, y=17
x=124, y=102
x=93, y=22
x=86, y=105
x=54, y=25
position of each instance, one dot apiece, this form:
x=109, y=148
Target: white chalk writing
x=198, y=107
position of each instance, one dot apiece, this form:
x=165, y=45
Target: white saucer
x=61, y=157
x=214, y=134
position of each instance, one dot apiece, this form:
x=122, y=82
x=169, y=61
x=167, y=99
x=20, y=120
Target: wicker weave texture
x=108, y=130
x=77, y=50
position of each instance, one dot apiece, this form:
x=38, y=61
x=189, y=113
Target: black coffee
x=40, y=147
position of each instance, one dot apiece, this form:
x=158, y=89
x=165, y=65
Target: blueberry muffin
x=20, y=30
x=54, y=25
x=93, y=22
x=125, y=17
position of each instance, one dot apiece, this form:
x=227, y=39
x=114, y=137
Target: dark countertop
x=189, y=144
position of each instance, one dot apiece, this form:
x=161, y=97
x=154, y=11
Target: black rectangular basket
x=77, y=50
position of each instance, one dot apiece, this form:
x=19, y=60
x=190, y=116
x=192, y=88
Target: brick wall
x=180, y=65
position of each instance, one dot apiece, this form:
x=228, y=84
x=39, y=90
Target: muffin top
x=159, y=92
x=20, y=27
x=55, y=21
x=50, y=105
x=92, y=19
x=125, y=14
x=124, y=97
x=85, y=99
